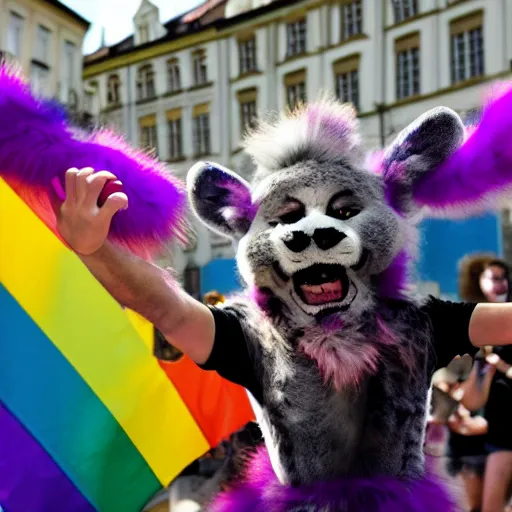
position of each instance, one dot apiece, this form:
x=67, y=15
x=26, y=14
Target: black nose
x=325, y=238
x=298, y=241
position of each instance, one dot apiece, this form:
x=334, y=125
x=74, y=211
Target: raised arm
x=491, y=324
x=133, y=282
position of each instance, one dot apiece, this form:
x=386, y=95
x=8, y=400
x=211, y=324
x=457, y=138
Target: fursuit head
x=325, y=236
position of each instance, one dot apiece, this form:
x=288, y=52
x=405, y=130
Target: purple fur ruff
x=261, y=492
x=480, y=172
x=392, y=283
x=37, y=144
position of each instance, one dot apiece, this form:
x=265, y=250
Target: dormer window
x=146, y=83
x=144, y=33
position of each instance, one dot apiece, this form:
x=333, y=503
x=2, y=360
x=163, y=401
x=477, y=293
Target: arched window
x=113, y=90
x=145, y=82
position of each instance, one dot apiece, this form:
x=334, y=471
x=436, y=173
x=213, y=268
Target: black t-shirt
x=231, y=354
x=498, y=410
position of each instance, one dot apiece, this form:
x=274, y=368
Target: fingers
x=114, y=203
x=70, y=184
x=82, y=185
x=95, y=183
x=493, y=359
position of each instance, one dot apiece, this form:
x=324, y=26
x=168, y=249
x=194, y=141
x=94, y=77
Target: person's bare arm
x=153, y=293
x=132, y=281
x=476, y=390
x=491, y=324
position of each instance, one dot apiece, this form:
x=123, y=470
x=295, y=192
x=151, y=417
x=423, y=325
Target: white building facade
x=191, y=95
x=45, y=37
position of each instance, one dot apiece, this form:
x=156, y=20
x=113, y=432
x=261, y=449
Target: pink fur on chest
x=345, y=356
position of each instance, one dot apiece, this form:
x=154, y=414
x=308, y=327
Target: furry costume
x=342, y=353
x=38, y=144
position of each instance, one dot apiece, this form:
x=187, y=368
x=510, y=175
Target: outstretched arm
x=132, y=281
x=491, y=324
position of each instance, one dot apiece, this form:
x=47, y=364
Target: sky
x=115, y=16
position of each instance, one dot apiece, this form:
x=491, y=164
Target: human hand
x=81, y=222
x=461, y=422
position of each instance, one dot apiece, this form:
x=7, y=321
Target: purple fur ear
x=478, y=176
x=38, y=146
x=420, y=147
x=221, y=199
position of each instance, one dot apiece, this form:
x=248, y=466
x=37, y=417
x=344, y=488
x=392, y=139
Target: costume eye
x=292, y=217
x=290, y=214
x=345, y=213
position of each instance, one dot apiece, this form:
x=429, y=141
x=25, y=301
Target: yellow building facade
x=46, y=38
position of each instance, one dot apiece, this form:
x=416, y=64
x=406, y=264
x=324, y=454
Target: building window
x=247, y=102
x=39, y=79
x=143, y=33
x=173, y=75
x=39, y=74
x=404, y=9
x=15, y=34
x=247, y=55
x=69, y=72
x=346, y=80
x=175, y=134
x=43, y=41
x=201, y=130
x=146, y=83
x=351, y=19
x=200, y=69
x=113, y=90
x=467, y=48
x=148, y=133
x=192, y=281
x=295, y=85
x=296, y=38
x=407, y=52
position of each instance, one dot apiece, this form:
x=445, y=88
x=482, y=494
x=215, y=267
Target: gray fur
x=313, y=429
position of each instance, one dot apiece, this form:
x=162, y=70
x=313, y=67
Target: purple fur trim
x=240, y=205
x=392, y=282
x=480, y=171
x=271, y=305
x=332, y=323
x=261, y=491
x=37, y=145
x=328, y=125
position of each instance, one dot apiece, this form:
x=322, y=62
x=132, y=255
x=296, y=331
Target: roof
x=201, y=10
x=69, y=12
x=189, y=23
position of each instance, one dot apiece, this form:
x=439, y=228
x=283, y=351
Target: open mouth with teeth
x=321, y=284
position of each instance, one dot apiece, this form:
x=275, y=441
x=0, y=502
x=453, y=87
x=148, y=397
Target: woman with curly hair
x=485, y=278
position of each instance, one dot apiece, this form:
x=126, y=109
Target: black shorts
x=473, y=463
x=493, y=448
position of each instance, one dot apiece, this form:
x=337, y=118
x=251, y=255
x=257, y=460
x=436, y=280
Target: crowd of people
x=471, y=419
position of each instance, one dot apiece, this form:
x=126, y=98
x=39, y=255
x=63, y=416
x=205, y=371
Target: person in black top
x=487, y=279
x=465, y=445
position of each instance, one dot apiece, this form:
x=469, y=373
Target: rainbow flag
x=89, y=419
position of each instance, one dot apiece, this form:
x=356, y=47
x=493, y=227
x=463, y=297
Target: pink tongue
x=322, y=293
